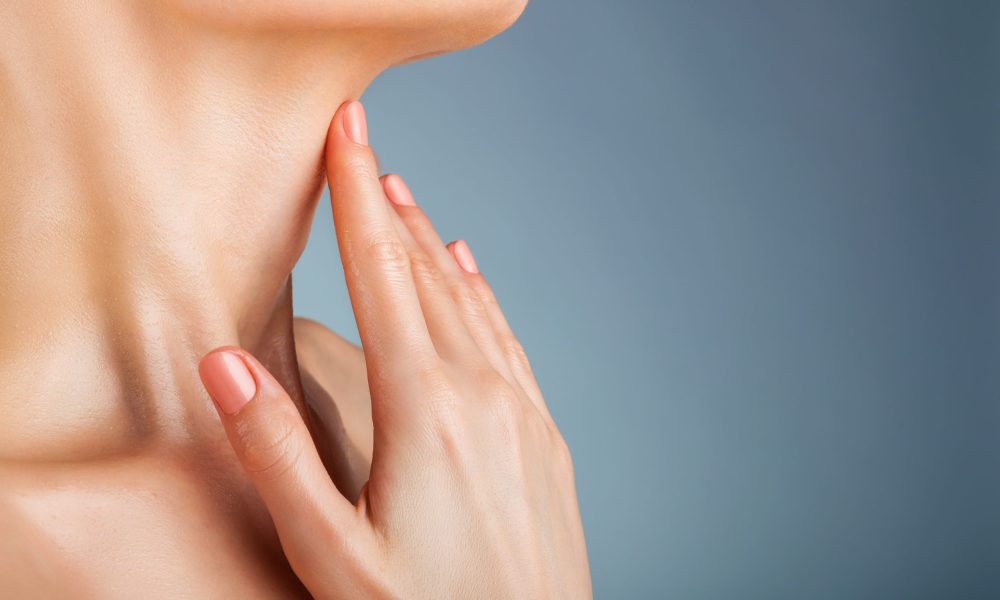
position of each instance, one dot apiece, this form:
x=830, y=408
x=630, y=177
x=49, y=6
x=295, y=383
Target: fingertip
x=397, y=191
x=336, y=128
x=350, y=161
x=462, y=254
x=227, y=379
x=349, y=123
x=355, y=123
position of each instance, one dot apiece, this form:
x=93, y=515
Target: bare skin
x=159, y=167
x=471, y=491
x=176, y=521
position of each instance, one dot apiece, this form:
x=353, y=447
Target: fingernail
x=355, y=125
x=228, y=381
x=463, y=256
x=397, y=191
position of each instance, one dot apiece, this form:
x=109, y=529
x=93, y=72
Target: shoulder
x=334, y=377
x=326, y=355
x=314, y=335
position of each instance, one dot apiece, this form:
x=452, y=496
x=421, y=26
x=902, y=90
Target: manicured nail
x=397, y=191
x=355, y=125
x=463, y=256
x=228, y=381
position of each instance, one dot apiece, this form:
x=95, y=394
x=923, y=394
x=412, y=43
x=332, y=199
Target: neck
x=157, y=184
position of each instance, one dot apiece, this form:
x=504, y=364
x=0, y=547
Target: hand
x=471, y=492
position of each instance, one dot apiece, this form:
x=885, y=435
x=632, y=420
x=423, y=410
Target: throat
x=117, y=375
x=116, y=278
x=157, y=185
x=114, y=284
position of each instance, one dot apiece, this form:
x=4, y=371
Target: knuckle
x=432, y=380
x=424, y=270
x=507, y=415
x=447, y=428
x=466, y=297
x=415, y=218
x=386, y=250
x=360, y=164
x=513, y=350
x=484, y=292
x=562, y=454
x=269, y=456
x=446, y=424
x=498, y=392
x=437, y=389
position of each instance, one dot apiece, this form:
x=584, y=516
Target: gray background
x=752, y=250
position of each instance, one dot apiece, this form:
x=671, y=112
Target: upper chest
x=161, y=528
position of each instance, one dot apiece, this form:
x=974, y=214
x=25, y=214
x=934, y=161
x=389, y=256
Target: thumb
x=277, y=452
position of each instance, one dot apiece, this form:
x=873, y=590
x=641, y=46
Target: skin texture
x=471, y=493
x=159, y=167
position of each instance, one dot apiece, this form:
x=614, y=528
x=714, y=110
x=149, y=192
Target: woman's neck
x=157, y=185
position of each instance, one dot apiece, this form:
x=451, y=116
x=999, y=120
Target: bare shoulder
x=333, y=371
x=318, y=346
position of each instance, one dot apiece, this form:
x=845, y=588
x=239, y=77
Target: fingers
x=376, y=263
x=465, y=309
x=509, y=345
x=444, y=322
x=404, y=285
x=473, y=296
x=277, y=452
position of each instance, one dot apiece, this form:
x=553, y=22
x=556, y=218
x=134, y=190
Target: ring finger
x=468, y=301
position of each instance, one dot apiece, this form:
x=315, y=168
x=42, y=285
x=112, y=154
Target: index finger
x=390, y=321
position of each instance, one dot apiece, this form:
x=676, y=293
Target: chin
x=433, y=25
x=465, y=23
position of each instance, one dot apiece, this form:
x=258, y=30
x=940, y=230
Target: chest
x=156, y=531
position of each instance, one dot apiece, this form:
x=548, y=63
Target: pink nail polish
x=463, y=256
x=398, y=192
x=355, y=124
x=227, y=380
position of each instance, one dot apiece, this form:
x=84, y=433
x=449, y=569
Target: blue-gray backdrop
x=752, y=249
